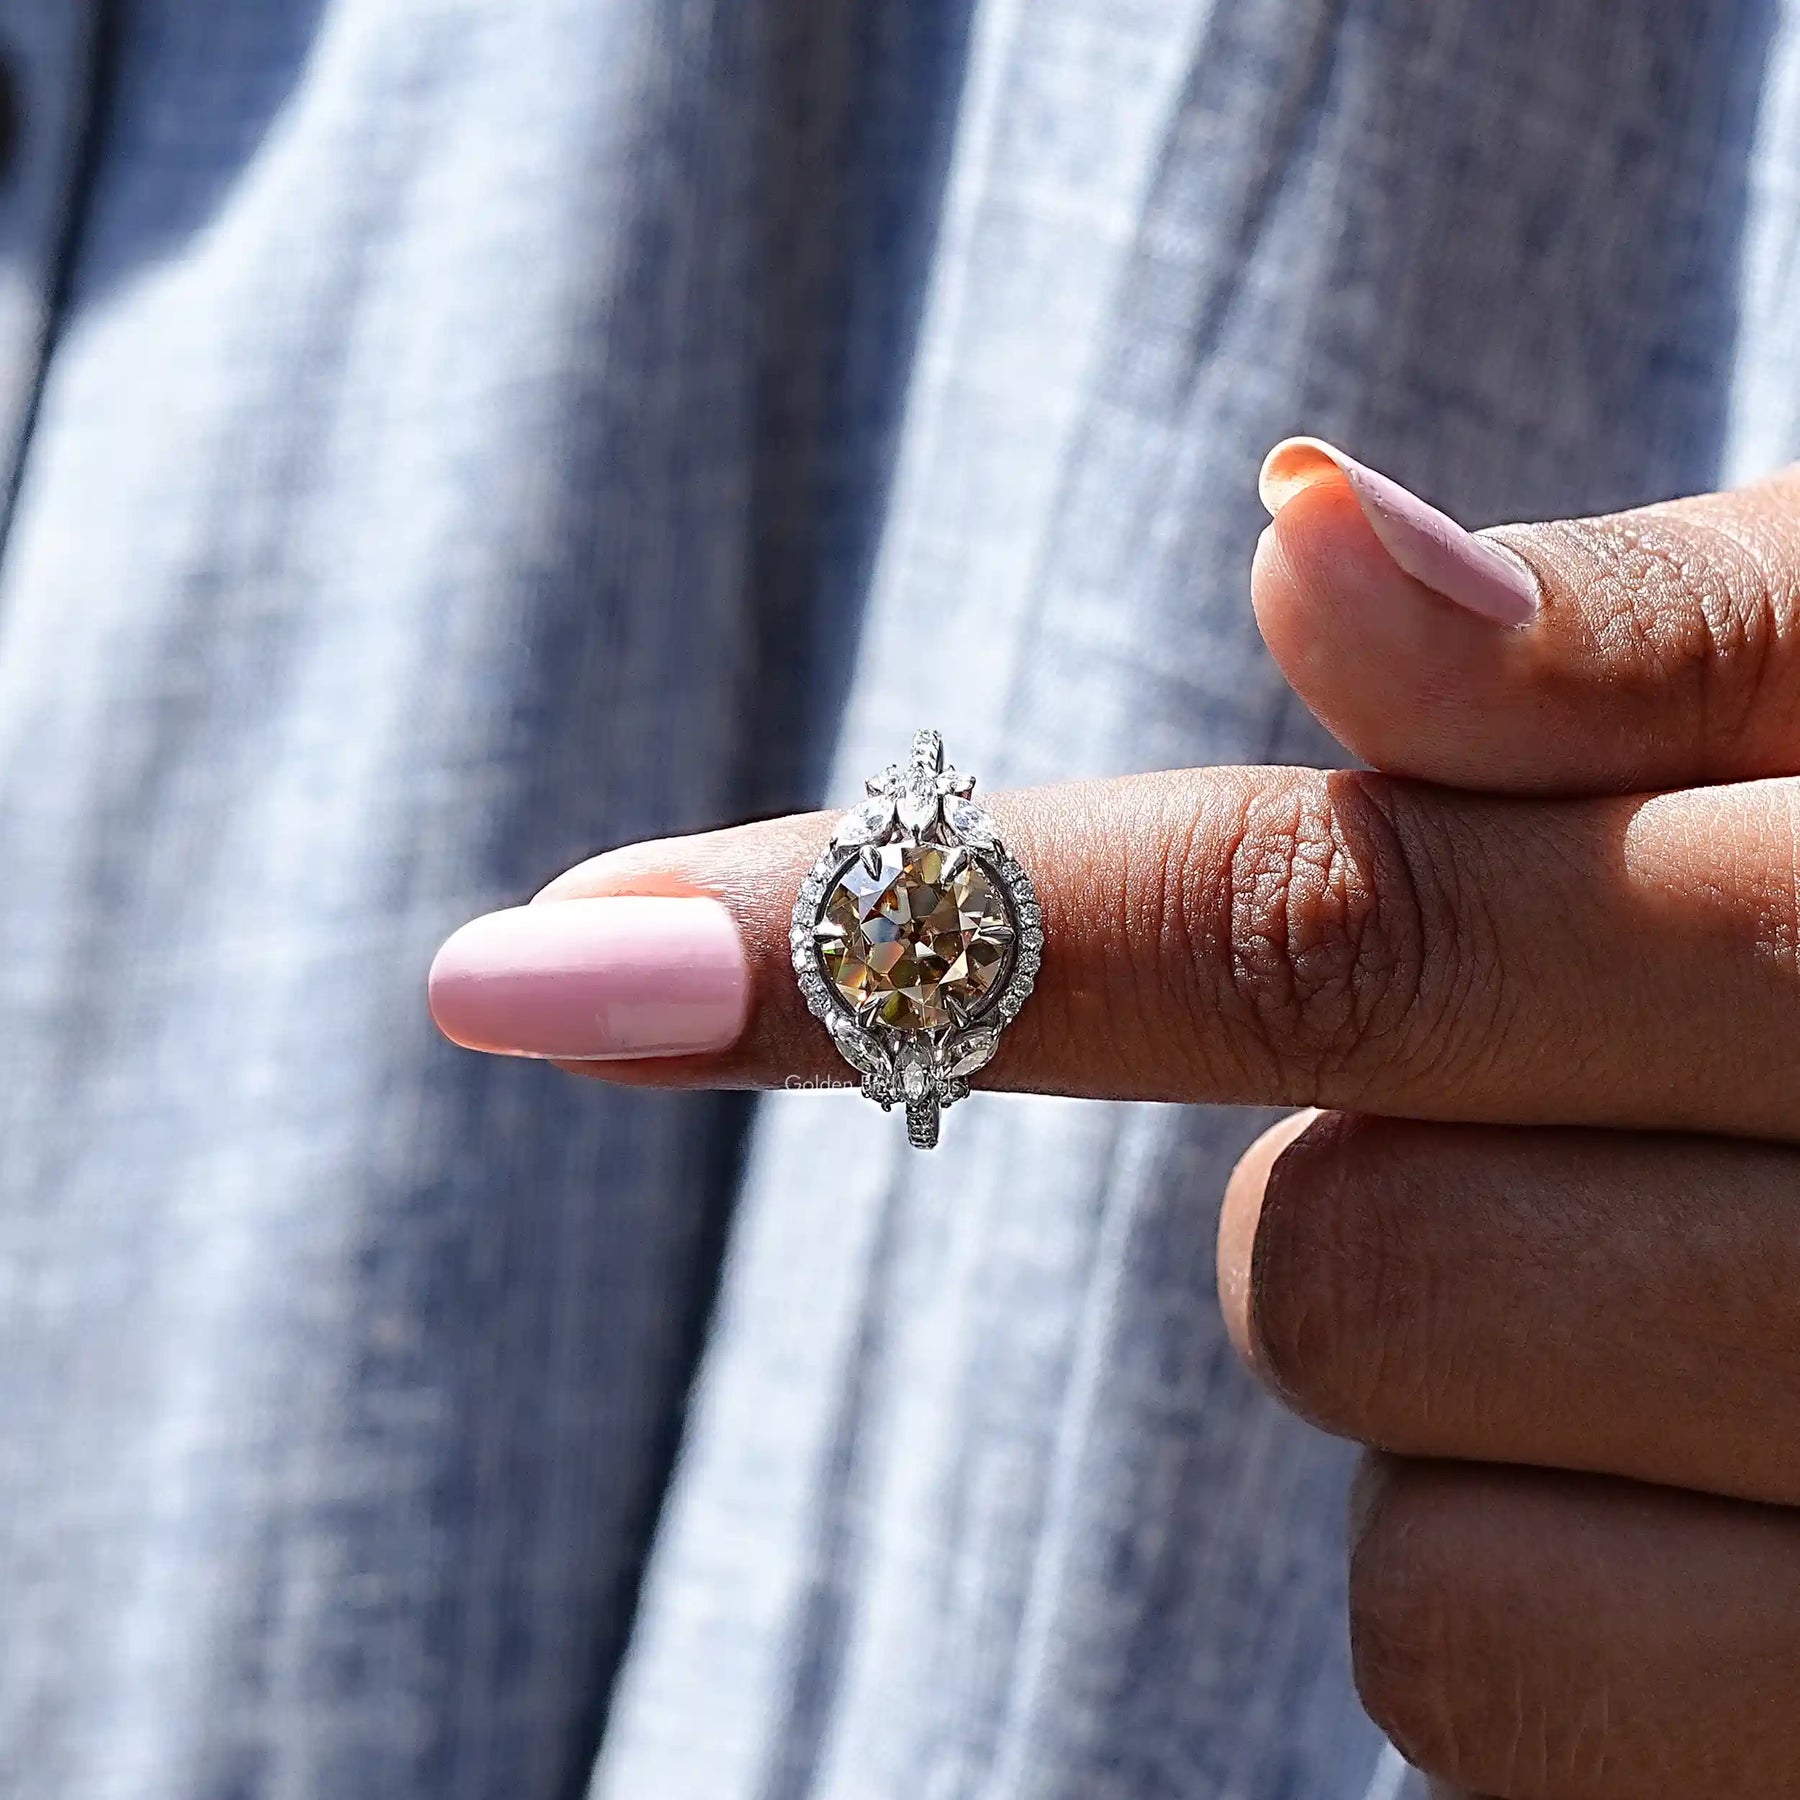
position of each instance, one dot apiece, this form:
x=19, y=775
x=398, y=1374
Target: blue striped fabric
x=454, y=435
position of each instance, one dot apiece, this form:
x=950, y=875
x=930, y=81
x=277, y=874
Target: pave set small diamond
x=917, y=937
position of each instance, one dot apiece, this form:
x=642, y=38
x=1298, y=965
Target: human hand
x=1569, y=1333
x=1574, y=1353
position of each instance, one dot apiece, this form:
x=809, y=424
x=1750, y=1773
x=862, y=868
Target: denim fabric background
x=453, y=435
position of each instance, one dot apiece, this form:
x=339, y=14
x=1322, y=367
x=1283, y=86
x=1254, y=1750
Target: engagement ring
x=917, y=937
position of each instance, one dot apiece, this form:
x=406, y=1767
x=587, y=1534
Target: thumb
x=1647, y=649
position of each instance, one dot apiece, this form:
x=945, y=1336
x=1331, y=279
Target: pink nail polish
x=594, y=980
x=1429, y=545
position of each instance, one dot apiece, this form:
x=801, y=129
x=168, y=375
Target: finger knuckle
x=1336, y=931
x=1692, y=612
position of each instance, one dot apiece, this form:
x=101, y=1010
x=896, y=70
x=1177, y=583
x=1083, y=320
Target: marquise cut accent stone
x=972, y=1052
x=915, y=936
x=864, y=824
x=858, y=1049
x=918, y=808
x=972, y=823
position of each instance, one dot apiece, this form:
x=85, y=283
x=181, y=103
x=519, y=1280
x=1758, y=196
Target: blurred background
x=442, y=438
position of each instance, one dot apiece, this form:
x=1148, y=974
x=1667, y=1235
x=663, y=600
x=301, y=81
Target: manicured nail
x=1429, y=545
x=594, y=980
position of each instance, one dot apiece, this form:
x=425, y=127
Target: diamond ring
x=917, y=937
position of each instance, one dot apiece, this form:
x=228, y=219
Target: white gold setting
x=917, y=937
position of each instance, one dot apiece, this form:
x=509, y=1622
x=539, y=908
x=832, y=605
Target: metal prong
x=928, y=751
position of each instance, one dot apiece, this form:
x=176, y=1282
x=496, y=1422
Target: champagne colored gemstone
x=914, y=935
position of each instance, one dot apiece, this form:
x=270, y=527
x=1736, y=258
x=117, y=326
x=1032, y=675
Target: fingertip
x=611, y=979
x=1403, y=681
x=443, y=981
x=1320, y=570
x=1294, y=465
x=1328, y=599
x=1238, y=1221
x=1476, y=573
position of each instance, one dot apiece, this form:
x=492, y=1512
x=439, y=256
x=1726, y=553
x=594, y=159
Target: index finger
x=1308, y=938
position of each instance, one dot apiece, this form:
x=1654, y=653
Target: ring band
x=917, y=937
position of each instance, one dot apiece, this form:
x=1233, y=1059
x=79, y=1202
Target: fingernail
x=1429, y=545
x=594, y=980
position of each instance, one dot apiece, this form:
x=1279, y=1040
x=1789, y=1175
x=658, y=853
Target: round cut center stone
x=915, y=935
